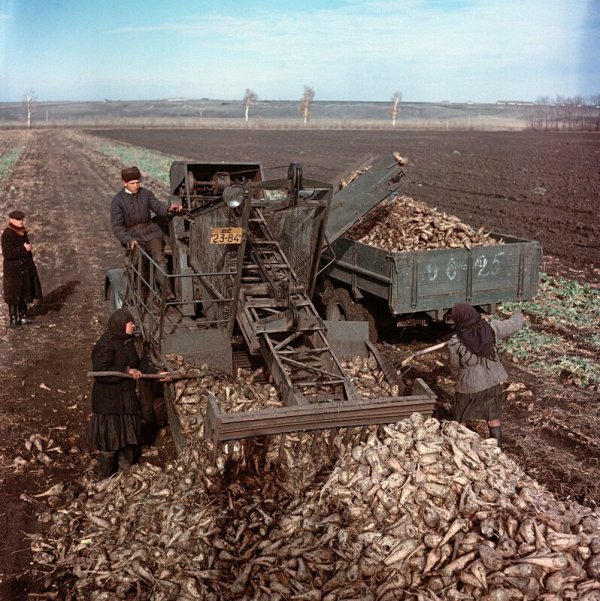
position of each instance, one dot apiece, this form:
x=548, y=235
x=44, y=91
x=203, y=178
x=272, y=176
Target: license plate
x=226, y=235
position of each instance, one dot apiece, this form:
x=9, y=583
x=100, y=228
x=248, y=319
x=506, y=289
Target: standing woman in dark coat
x=115, y=427
x=473, y=355
x=21, y=281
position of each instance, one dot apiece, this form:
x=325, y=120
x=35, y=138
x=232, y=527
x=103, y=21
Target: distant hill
x=280, y=114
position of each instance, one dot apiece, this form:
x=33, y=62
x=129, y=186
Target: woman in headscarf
x=473, y=354
x=21, y=281
x=115, y=426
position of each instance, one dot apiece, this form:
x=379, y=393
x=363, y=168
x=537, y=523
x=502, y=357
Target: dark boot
x=23, y=319
x=169, y=294
x=13, y=314
x=136, y=454
x=166, y=283
x=125, y=458
x=496, y=432
x=107, y=465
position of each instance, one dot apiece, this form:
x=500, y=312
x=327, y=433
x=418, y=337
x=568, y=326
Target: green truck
x=400, y=288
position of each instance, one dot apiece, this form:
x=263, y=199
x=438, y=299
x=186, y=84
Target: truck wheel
x=341, y=307
x=112, y=297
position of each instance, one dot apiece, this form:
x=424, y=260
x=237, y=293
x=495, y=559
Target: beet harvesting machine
x=244, y=257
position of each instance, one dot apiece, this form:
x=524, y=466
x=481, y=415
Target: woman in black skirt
x=115, y=427
x=20, y=276
x=473, y=354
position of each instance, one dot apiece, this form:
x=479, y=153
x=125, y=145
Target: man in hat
x=131, y=218
x=21, y=281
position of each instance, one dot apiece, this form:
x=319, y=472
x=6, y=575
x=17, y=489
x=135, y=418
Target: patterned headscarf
x=475, y=333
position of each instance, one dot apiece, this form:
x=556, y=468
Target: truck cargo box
x=432, y=281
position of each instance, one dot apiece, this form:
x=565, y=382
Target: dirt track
x=65, y=189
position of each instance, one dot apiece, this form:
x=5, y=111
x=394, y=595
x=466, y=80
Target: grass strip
x=573, y=307
x=562, y=301
x=8, y=162
x=152, y=163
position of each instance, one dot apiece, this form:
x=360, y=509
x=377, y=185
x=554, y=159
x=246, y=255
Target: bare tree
x=566, y=113
x=395, y=108
x=595, y=102
x=305, y=102
x=541, y=113
x=30, y=105
x=249, y=98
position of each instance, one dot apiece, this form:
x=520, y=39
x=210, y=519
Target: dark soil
x=537, y=185
x=541, y=186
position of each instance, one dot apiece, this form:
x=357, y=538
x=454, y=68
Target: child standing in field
x=473, y=355
x=21, y=281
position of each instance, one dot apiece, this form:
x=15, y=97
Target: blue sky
x=350, y=50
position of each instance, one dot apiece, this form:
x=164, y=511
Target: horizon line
x=58, y=102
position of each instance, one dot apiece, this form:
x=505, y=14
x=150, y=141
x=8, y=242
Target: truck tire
x=341, y=307
x=115, y=287
x=112, y=297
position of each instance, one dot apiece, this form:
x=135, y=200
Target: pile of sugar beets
x=421, y=509
x=404, y=224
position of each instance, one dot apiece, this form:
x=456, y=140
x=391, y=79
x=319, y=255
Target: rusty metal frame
x=222, y=427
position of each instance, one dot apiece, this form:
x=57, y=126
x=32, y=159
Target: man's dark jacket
x=131, y=216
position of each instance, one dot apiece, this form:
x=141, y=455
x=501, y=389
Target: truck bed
x=432, y=281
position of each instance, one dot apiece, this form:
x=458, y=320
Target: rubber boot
x=496, y=432
x=13, y=314
x=107, y=464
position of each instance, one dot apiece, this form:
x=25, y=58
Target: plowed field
x=542, y=186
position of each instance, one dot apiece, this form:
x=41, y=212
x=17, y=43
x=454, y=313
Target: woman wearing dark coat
x=473, y=355
x=21, y=281
x=115, y=426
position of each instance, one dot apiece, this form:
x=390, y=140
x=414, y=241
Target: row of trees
x=559, y=113
x=570, y=114
x=306, y=102
x=250, y=97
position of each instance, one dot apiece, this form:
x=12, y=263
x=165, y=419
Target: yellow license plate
x=226, y=235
